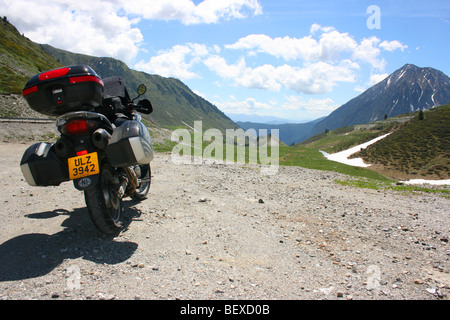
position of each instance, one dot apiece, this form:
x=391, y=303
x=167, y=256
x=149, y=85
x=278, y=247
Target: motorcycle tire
x=144, y=187
x=103, y=203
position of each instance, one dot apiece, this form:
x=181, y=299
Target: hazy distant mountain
x=408, y=89
x=289, y=133
x=238, y=117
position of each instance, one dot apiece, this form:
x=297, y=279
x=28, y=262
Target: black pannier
x=130, y=144
x=42, y=167
x=63, y=90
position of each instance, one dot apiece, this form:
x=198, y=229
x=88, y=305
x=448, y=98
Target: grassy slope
x=20, y=58
x=420, y=148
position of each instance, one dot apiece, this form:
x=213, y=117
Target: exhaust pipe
x=101, y=138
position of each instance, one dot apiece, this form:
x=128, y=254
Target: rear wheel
x=144, y=173
x=103, y=202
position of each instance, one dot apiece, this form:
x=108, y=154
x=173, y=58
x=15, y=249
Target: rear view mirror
x=141, y=89
x=144, y=106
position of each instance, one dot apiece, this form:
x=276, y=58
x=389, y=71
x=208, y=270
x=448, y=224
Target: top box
x=63, y=90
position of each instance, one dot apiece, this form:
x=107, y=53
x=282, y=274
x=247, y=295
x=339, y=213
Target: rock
x=260, y=201
x=202, y=200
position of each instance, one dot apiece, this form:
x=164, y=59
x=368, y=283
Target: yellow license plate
x=83, y=166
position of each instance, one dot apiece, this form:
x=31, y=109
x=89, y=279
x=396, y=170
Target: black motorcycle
x=104, y=147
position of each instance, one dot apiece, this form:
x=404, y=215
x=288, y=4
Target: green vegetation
x=19, y=59
x=347, y=137
x=420, y=146
x=312, y=159
x=390, y=185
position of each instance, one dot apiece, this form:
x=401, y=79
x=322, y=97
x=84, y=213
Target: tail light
x=77, y=126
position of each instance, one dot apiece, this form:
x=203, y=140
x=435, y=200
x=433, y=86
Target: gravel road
x=224, y=232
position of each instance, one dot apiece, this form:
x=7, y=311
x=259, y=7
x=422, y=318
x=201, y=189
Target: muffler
x=101, y=138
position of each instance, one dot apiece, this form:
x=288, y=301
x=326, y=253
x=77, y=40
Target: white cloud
x=315, y=78
x=317, y=107
x=287, y=48
x=369, y=52
x=107, y=28
x=249, y=106
x=296, y=107
x=323, y=44
x=176, y=62
x=392, y=45
x=207, y=11
x=375, y=78
x=82, y=26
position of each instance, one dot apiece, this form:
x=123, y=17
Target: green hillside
x=347, y=137
x=174, y=104
x=419, y=148
x=20, y=58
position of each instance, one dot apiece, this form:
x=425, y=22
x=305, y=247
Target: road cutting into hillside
x=212, y=231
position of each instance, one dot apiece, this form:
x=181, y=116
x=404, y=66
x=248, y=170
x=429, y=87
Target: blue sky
x=297, y=60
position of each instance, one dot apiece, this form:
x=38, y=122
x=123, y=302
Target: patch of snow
x=342, y=156
x=422, y=181
x=403, y=72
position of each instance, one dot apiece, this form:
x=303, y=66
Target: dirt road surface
x=224, y=232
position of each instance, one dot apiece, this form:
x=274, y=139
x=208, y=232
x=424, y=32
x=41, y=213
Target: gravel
x=224, y=232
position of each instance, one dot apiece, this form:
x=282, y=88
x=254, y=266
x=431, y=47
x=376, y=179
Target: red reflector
x=77, y=126
x=86, y=79
x=53, y=74
x=80, y=153
x=29, y=90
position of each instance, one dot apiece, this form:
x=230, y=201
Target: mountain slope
x=20, y=58
x=420, y=148
x=174, y=104
x=408, y=89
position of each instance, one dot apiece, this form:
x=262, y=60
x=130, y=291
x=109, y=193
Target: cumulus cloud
x=107, y=28
x=314, y=78
x=322, y=44
x=392, y=45
x=176, y=62
x=207, y=11
x=375, y=78
x=82, y=26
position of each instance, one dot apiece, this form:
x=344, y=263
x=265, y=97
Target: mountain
x=408, y=89
x=174, y=104
x=289, y=133
x=238, y=117
x=19, y=59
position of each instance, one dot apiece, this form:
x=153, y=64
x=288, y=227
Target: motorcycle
x=104, y=147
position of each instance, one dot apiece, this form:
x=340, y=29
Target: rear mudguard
x=86, y=182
